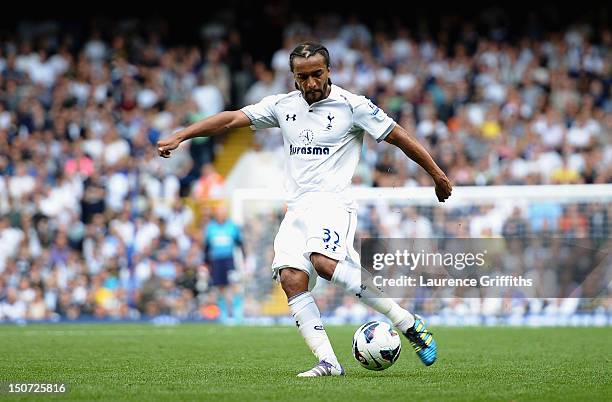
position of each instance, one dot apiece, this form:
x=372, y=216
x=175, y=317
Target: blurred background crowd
x=94, y=224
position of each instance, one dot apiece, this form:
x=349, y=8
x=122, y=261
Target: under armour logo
x=291, y=117
x=297, y=324
x=330, y=118
x=319, y=328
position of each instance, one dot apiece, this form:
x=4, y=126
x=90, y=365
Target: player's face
x=311, y=76
x=220, y=213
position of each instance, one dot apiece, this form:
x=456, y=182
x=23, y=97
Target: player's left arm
x=402, y=139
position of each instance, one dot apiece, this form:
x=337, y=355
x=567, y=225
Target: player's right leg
x=298, y=277
x=308, y=320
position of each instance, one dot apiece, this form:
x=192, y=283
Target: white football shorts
x=323, y=227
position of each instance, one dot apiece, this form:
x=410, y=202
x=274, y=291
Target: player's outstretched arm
x=415, y=151
x=209, y=126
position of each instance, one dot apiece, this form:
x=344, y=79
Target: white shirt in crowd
x=209, y=99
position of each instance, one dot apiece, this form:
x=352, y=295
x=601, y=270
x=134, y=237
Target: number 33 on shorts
x=331, y=239
x=330, y=232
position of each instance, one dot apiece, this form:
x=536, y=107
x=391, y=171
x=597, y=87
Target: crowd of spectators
x=491, y=111
x=94, y=224
x=561, y=246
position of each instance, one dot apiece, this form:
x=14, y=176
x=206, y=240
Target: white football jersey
x=322, y=141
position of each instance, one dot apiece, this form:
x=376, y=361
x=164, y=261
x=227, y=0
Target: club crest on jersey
x=330, y=117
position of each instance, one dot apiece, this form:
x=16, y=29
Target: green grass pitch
x=210, y=362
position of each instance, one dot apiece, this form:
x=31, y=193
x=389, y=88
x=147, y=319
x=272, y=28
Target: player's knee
x=293, y=281
x=323, y=265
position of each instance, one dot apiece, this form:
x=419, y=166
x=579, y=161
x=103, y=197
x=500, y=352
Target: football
x=376, y=345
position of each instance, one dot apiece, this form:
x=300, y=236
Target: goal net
x=558, y=236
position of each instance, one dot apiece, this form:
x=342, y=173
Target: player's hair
x=308, y=49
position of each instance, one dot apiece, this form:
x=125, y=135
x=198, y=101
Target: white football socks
x=308, y=319
x=348, y=277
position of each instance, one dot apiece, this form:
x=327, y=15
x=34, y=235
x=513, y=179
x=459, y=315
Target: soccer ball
x=376, y=345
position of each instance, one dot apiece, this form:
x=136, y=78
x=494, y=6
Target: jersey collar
x=333, y=96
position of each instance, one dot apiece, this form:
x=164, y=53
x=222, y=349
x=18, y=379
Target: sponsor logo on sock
x=319, y=328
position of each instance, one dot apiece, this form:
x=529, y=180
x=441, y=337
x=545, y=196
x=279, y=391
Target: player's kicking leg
x=348, y=276
x=308, y=320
